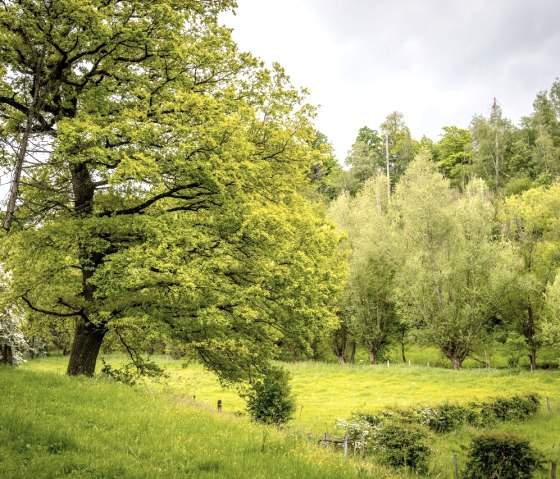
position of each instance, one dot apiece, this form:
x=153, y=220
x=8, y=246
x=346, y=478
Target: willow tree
x=159, y=178
x=453, y=272
x=531, y=221
x=373, y=262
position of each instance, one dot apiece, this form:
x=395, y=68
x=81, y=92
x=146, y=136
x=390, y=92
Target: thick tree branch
x=51, y=313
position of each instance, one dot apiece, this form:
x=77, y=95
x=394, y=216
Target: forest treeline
x=452, y=243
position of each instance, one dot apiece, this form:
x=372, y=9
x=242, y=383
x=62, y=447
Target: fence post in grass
x=553, y=470
x=345, y=446
x=455, y=467
x=547, y=404
x=388, y=364
x=219, y=405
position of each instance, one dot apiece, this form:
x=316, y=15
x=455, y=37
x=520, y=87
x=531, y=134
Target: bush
x=515, y=408
x=500, y=456
x=12, y=341
x=270, y=399
x=444, y=418
x=401, y=444
x=515, y=349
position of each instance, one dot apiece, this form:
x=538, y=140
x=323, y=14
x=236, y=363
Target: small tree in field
x=270, y=399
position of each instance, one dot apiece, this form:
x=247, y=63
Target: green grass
x=55, y=426
x=326, y=392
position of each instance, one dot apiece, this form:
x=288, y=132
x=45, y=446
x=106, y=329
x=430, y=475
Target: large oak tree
x=156, y=182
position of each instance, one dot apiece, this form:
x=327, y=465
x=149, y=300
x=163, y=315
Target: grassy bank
x=55, y=426
x=326, y=392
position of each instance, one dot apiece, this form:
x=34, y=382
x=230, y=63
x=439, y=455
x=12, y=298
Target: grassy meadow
x=172, y=428
x=56, y=426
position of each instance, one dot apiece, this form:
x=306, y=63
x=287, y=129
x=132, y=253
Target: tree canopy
x=161, y=179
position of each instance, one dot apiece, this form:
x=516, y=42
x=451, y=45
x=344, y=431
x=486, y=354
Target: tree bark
x=88, y=336
x=533, y=359
x=403, y=350
x=457, y=362
x=85, y=348
x=7, y=355
x=530, y=333
x=353, y=351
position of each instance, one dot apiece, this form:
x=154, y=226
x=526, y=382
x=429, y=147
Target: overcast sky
x=438, y=62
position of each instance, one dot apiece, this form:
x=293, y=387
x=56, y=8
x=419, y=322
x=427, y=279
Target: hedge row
x=401, y=437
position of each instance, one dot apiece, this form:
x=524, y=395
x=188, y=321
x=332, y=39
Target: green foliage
x=132, y=373
x=454, y=155
x=370, y=310
x=516, y=348
x=551, y=322
x=500, y=456
x=270, y=399
x=515, y=408
x=532, y=220
x=403, y=445
x=453, y=272
x=444, y=418
x=401, y=147
x=168, y=202
x=365, y=159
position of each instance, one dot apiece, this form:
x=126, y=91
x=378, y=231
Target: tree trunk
x=353, y=352
x=373, y=357
x=533, y=359
x=403, y=351
x=530, y=337
x=88, y=336
x=457, y=362
x=85, y=348
x=7, y=355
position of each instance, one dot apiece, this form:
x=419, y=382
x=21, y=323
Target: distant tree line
x=460, y=245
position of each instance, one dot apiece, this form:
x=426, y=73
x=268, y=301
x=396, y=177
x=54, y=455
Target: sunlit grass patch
x=55, y=426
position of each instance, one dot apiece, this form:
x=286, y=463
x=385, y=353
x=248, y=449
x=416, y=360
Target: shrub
x=128, y=374
x=357, y=429
x=444, y=418
x=500, y=456
x=270, y=399
x=12, y=341
x=515, y=408
x=400, y=444
x=515, y=349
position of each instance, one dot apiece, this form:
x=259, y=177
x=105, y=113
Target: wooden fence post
x=345, y=446
x=219, y=405
x=553, y=470
x=455, y=467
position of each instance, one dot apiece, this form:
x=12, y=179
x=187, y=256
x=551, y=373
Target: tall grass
x=326, y=392
x=55, y=426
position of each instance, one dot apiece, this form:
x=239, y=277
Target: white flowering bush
x=12, y=341
x=356, y=429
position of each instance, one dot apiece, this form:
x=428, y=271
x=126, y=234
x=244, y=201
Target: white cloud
x=439, y=62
